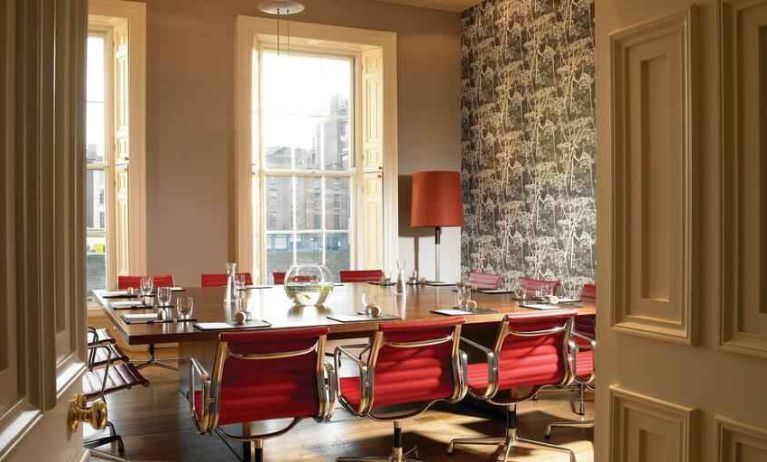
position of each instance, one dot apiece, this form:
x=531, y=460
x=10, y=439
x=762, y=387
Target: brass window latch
x=79, y=411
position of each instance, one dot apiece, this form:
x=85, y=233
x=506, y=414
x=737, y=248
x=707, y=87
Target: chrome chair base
x=397, y=453
x=153, y=361
x=583, y=423
x=508, y=442
x=395, y=457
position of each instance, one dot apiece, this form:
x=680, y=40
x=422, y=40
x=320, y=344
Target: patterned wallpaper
x=529, y=140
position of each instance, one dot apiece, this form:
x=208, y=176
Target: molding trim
x=647, y=425
x=644, y=301
x=743, y=307
x=345, y=39
x=734, y=436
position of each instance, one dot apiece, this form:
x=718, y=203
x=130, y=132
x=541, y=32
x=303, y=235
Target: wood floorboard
x=155, y=426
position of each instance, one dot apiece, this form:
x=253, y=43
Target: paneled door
x=42, y=237
x=682, y=216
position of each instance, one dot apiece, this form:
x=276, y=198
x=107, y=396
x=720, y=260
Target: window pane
x=337, y=252
x=279, y=253
x=309, y=248
x=306, y=102
x=95, y=222
x=95, y=112
x=308, y=203
x=279, y=203
x=337, y=193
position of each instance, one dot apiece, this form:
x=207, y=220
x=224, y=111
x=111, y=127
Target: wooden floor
x=155, y=425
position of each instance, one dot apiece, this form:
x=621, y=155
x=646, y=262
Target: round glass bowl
x=308, y=284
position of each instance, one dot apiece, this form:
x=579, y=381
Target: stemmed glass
x=184, y=308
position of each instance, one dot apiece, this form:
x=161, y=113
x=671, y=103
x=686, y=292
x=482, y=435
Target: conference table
x=271, y=304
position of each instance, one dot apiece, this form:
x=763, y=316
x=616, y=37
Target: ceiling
x=444, y=5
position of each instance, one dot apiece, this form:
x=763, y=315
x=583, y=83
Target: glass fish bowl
x=308, y=284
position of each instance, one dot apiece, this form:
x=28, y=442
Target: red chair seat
x=405, y=390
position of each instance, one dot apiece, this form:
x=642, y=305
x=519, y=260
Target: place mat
x=143, y=318
x=252, y=324
x=540, y=306
x=362, y=317
x=128, y=305
x=460, y=312
x=255, y=287
x=439, y=284
x=382, y=284
x=495, y=291
x=117, y=294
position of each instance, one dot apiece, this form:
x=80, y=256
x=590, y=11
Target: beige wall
x=190, y=117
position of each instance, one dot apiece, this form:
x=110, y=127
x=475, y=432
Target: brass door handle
x=79, y=411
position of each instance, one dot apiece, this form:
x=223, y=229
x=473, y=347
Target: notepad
x=256, y=287
x=495, y=291
x=251, y=324
x=540, y=306
x=362, y=317
x=143, y=318
x=127, y=305
x=439, y=284
x=459, y=312
x=116, y=294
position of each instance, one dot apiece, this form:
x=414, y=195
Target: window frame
x=250, y=31
x=261, y=171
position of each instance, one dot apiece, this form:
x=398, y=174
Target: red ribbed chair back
x=532, y=349
x=219, y=279
x=133, y=282
x=530, y=285
x=416, y=361
x=361, y=275
x=485, y=280
x=586, y=325
x=269, y=375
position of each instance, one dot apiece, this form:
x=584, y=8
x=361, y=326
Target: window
x=97, y=159
x=316, y=148
x=306, y=153
x=115, y=186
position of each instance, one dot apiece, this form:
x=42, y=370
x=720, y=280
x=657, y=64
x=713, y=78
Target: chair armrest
x=592, y=343
x=197, y=369
x=92, y=359
x=328, y=381
x=492, y=367
x=366, y=383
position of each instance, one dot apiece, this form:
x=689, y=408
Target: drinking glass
x=184, y=307
x=163, y=296
x=239, y=281
x=147, y=285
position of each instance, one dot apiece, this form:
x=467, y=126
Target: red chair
x=279, y=277
x=134, y=282
x=361, y=275
x=485, y=280
x=98, y=383
x=589, y=292
x=530, y=352
x=414, y=363
x=532, y=285
x=219, y=279
x=261, y=376
x=582, y=355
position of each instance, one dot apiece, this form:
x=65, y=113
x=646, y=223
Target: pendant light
x=281, y=8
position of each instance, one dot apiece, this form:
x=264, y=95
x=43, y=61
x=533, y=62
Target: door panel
x=42, y=333
x=680, y=101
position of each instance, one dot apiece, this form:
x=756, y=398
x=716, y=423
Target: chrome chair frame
x=512, y=438
x=211, y=393
x=581, y=385
x=367, y=387
x=93, y=443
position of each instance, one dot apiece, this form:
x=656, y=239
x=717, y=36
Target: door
x=42, y=312
x=682, y=216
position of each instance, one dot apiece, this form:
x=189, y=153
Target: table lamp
x=436, y=201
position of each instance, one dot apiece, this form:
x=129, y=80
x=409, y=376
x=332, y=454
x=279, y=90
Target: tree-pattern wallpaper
x=529, y=140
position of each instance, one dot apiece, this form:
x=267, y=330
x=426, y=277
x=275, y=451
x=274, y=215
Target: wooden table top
x=272, y=305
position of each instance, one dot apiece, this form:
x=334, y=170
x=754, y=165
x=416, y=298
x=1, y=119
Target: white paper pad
x=115, y=293
x=127, y=304
x=140, y=317
x=540, y=306
x=451, y=312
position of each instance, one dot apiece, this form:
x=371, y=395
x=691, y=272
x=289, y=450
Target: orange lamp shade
x=436, y=199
